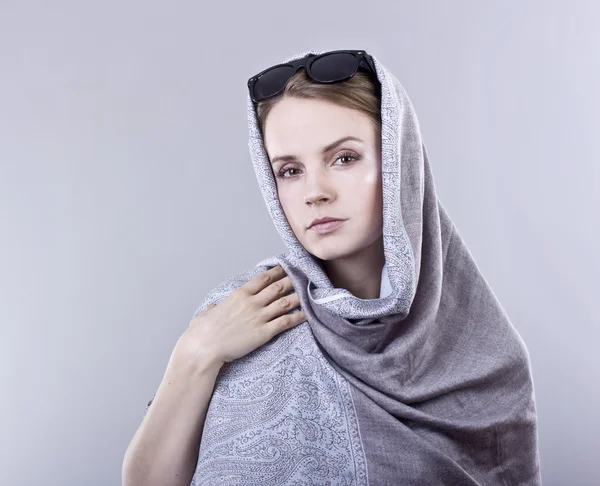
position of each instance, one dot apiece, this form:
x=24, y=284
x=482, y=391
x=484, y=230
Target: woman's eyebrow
x=328, y=148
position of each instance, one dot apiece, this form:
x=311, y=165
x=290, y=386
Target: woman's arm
x=164, y=449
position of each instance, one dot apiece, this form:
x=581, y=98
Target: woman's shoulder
x=224, y=288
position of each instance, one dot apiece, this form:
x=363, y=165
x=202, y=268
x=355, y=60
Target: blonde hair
x=359, y=92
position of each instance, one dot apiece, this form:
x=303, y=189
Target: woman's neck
x=359, y=273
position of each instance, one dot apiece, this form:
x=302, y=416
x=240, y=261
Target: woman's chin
x=325, y=253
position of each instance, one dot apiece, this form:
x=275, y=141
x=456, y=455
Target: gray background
x=127, y=192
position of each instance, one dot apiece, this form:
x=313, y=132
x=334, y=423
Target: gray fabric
x=428, y=385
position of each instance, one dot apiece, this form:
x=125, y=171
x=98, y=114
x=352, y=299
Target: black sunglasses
x=328, y=67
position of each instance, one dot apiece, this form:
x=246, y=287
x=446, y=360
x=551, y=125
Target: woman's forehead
x=299, y=126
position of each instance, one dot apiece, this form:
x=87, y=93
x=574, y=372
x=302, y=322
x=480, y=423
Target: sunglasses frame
x=363, y=59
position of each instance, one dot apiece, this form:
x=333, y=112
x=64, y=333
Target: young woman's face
x=342, y=182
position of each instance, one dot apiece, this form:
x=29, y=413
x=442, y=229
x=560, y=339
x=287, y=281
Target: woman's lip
x=326, y=227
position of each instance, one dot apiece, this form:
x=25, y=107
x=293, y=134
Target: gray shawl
x=428, y=384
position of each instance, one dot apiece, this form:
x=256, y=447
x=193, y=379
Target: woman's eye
x=345, y=156
x=282, y=173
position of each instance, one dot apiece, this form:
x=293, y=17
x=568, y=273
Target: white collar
x=386, y=287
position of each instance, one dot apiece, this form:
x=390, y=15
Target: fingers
x=284, y=322
x=263, y=280
x=281, y=306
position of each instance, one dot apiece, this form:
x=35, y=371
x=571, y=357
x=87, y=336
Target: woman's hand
x=248, y=318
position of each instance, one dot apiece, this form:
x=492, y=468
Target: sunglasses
x=329, y=67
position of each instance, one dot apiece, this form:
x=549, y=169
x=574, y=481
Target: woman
x=405, y=368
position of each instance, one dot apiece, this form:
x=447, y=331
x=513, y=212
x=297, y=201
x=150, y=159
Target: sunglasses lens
x=333, y=67
x=272, y=81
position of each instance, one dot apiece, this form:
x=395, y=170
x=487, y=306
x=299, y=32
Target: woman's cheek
x=371, y=177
